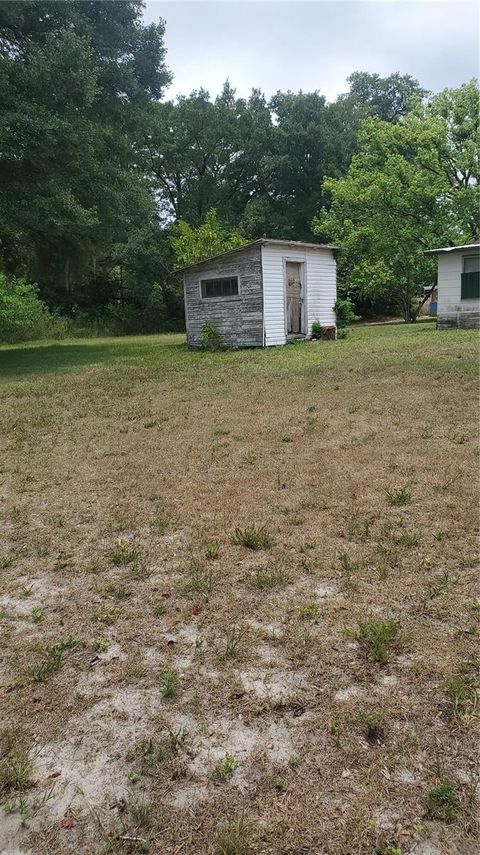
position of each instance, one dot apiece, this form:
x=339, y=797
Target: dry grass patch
x=195, y=692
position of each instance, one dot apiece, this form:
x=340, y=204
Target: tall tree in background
x=261, y=165
x=204, y=154
x=388, y=98
x=413, y=185
x=76, y=84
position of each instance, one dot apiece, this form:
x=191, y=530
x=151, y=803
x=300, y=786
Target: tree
x=204, y=154
x=210, y=238
x=413, y=185
x=389, y=98
x=76, y=82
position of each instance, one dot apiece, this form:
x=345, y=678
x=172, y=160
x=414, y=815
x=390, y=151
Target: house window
x=219, y=288
x=471, y=277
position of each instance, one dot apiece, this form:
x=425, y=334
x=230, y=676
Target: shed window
x=471, y=277
x=227, y=287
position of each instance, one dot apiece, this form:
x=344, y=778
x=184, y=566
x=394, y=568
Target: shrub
x=23, y=316
x=316, y=329
x=210, y=338
x=344, y=312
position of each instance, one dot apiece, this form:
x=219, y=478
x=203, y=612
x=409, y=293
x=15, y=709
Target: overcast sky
x=316, y=45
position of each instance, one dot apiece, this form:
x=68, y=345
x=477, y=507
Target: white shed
x=458, y=286
x=262, y=293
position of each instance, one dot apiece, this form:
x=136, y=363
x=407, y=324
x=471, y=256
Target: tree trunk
x=427, y=295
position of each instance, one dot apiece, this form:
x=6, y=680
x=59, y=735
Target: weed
x=286, y=438
x=346, y=563
x=399, y=497
x=462, y=694
x=439, y=583
x=159, y=524
x=199, y=579
x=213, y=550
x=52, y=659
x=384, y=848
x=139, y=571
x=63, y=560
x=16, y=768
x=123, y=553
x=38, y=615
x=270, y=577
x=377, y=638
x=309, y=612
x=307, y=545
x=140, y=810
x=100, y=644
x=235, y=837
x=105, y=615
x=408, y=539
x=118, y=592
x=210, y=338
x=19, y=516
x=306, y=566
x=233, y=640
x=470, y=561
x=169, y=679
x=160, y=610
x=441, y=802
x=221, y=431
x=359, y=530
x=253, y=538
x=371, y=723
x=153, y=752
x=28, y=808
x=120, y=525
x=224, y=768
x=26, y=592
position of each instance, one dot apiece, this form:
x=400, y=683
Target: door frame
x=302, y=263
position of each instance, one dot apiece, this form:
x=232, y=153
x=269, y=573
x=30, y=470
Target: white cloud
x=316, y=45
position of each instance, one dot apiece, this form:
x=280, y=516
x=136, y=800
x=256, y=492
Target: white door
x=294, y=286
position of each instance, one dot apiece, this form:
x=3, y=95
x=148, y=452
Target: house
x=458, y=286
x=263, y=293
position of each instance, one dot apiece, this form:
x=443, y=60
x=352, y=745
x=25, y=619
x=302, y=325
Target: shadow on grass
x=18, y=362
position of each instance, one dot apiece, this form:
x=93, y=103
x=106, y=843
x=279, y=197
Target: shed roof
x=260, y=242
x=442, y=249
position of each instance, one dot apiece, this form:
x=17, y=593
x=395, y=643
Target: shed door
x=294, y=272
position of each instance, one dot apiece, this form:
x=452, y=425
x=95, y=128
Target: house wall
x=452, y=311
x=320, y=274
x=239, y=320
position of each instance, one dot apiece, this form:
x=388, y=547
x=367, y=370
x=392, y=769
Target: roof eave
x=445, y=250
x=258, y=242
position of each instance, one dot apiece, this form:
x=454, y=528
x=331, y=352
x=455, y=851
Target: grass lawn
x=238, y=596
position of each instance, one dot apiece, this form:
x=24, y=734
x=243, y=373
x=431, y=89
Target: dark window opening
x=227, y=287
x=471, y=277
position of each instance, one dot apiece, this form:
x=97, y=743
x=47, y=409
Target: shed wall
x=320, y=288
x=452, y=311
x=239, y=320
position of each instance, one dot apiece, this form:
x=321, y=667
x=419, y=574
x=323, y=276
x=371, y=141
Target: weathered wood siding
x=239, y=320
x=320, y=288
x=452, y=311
